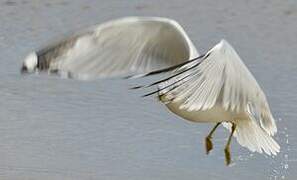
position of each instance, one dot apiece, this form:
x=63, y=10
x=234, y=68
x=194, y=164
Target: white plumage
x=215, y=87
x=120, y=47
x=219, y=88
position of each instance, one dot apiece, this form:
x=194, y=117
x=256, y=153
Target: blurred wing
x=133, y=45
x=220, y=77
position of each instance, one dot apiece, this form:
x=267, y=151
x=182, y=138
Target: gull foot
x=227, y=156
x=208, y=144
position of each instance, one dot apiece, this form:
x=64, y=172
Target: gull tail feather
x=250, y=135
x=267, y=122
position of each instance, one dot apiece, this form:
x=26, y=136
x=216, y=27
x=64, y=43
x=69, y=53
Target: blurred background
x=51, y=128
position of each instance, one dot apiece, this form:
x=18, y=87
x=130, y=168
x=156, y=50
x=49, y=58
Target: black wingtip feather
x=136, y=87
x=166, y=70
x=151, y=93
x=127, y=77
x=172, y=67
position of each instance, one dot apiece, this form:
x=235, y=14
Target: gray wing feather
x=121, y=47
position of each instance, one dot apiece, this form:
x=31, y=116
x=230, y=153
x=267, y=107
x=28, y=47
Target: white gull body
x=214, y=113
x=222, y=89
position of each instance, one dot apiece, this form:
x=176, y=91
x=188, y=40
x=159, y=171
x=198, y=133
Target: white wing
x=120, y=47
x=220, y=77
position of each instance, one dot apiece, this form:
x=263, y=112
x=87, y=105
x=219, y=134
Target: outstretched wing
x=126, y=46
x=220, y=77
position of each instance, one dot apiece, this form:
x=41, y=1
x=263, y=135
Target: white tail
x=250, y=135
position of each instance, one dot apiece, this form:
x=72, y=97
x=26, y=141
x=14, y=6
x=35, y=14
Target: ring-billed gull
x=215, y=87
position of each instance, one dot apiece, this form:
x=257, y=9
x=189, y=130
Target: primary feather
x=132, y=45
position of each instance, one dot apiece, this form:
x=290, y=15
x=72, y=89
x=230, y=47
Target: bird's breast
x=215, y=114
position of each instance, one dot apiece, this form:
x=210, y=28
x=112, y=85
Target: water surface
x=52, y=128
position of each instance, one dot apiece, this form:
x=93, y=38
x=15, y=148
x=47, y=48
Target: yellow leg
x=227, y=147
x=208, y=143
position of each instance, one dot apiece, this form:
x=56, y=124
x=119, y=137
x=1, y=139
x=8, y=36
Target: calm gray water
x=52, y=128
